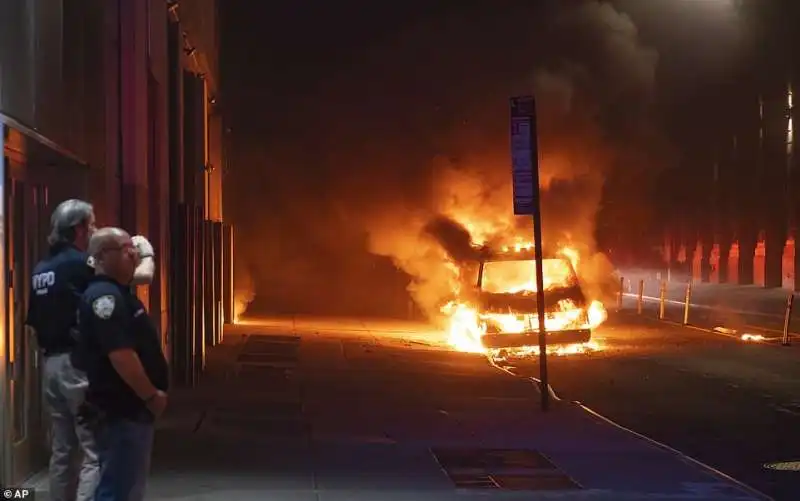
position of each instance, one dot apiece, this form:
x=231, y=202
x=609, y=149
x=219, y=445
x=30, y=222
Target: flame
x=467, y=325
x=518, y=277
x=240, y=303
x=484, y=216
x=464, y=332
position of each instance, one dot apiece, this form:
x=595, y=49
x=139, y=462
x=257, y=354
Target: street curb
x=655, y=443
x=709, y=469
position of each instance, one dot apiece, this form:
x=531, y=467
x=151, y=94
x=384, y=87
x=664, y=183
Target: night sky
x=354, y=124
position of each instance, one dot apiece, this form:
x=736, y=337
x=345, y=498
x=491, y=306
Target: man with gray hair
x=128, y=373
x=56, y=284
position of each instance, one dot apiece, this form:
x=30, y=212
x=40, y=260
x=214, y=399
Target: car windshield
x=519, y=277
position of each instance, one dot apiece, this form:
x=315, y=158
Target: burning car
x=499, y=311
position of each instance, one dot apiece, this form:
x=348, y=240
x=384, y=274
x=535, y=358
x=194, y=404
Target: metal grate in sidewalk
x=277, y=353
x=540, y=482
x=264, y=374
x=274, y=338
x=473, y=481
x=271, y=344
x=509, y=469
x=266, y=358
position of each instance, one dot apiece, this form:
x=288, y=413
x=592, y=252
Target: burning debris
x=746, y=336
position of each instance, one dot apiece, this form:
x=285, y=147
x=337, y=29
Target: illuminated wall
x=200, y=34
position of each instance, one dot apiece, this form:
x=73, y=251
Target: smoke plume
x=593, y=82
x=400, y=159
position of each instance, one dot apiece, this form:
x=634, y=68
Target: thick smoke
x=401, y=155
x=593, y=81
x=455, y=239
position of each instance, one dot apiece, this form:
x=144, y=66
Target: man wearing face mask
x=127, y=371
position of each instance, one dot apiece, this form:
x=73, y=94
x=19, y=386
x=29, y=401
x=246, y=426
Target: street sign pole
x=525, y=173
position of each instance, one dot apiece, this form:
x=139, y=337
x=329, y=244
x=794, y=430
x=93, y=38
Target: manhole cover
x=783, y=466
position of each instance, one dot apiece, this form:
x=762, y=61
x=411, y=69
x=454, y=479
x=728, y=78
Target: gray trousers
x=64, y=390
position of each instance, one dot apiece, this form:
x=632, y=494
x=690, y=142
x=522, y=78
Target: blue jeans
x=125, y=448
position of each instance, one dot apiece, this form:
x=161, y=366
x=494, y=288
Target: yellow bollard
x=687, y=303
x=640, y=297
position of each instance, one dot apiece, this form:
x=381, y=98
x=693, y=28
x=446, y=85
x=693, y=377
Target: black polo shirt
x=57, y=283
x=111, y=317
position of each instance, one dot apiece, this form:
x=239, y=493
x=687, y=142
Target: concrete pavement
x=730, y=404
x=320, y=410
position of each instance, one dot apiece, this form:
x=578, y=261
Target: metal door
x=23, y=230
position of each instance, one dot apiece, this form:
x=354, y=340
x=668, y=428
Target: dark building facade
x=111, y=101
x=735, y=210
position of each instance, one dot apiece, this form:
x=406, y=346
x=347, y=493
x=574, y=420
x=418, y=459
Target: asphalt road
x=732, y=405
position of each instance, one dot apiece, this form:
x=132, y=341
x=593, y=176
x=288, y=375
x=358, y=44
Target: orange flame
x=466, y=324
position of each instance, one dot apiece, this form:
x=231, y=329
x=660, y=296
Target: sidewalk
x=744, y=298
x=312, y=411
x=739, y=307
